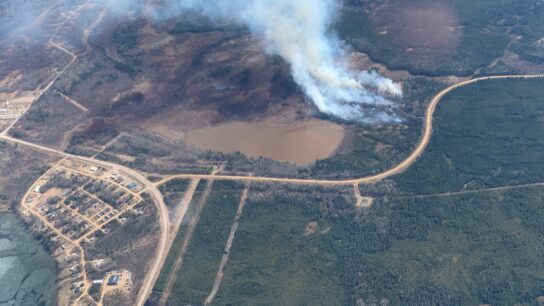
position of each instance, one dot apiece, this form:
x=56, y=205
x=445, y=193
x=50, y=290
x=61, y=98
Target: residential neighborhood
x=74, y=205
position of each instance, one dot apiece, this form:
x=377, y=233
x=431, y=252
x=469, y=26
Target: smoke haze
x=298, y=31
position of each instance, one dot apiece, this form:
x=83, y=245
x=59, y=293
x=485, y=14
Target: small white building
x=117, y=178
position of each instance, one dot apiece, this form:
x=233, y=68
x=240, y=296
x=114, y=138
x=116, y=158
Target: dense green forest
x=485, y=135
x=177, y=245
x=376, y=147
x=201, y=262
x=273, y=260
x=479, y=247
x=460, y=250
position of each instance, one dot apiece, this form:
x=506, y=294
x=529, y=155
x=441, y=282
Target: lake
x=300, y=143
x=27, y=271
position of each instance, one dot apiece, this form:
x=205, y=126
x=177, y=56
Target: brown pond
x=300, y=143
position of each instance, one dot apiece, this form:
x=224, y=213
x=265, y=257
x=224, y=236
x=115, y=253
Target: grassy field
x=196, y=277
x=47, y=120
x=19, y=167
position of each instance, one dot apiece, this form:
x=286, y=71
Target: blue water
x=27, y=271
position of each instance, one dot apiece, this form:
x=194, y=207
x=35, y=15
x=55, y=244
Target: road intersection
x=157, y=197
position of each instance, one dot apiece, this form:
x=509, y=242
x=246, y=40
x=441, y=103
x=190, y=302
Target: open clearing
x=300, y=143
x=432, y=30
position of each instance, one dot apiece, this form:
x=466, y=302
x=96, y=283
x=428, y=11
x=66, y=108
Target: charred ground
x=165, y=79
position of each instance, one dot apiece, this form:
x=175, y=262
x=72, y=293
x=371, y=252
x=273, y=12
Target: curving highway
x=401, y=167
x=163, y=212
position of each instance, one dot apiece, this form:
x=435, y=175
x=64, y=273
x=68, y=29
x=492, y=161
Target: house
x=74, y=268
x=133, y=186
x=117, y=178
x=121, y=279
x=114, y=280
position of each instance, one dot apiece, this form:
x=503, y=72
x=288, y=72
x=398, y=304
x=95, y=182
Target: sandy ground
x=300, y=143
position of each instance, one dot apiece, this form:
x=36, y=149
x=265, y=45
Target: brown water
x=300, y=143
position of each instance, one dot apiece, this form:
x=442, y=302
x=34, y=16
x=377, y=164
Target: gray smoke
x=298, y=31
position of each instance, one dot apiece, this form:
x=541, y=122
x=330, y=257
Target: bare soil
x=311, y=228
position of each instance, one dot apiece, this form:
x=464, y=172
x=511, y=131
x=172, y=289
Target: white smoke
x=298, y=31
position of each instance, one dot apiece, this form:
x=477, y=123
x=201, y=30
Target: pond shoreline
x=28, y=272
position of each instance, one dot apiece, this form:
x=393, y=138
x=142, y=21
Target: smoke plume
x=298, y=31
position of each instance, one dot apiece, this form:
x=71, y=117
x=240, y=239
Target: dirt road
x=401, y=167
x=188, y=235
x=475, y=191
x=226, y=253
x=74, y=243
x=87, y=32
x=162, y=210
x=163, y=213
x=49, y=85
x=74, y=102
